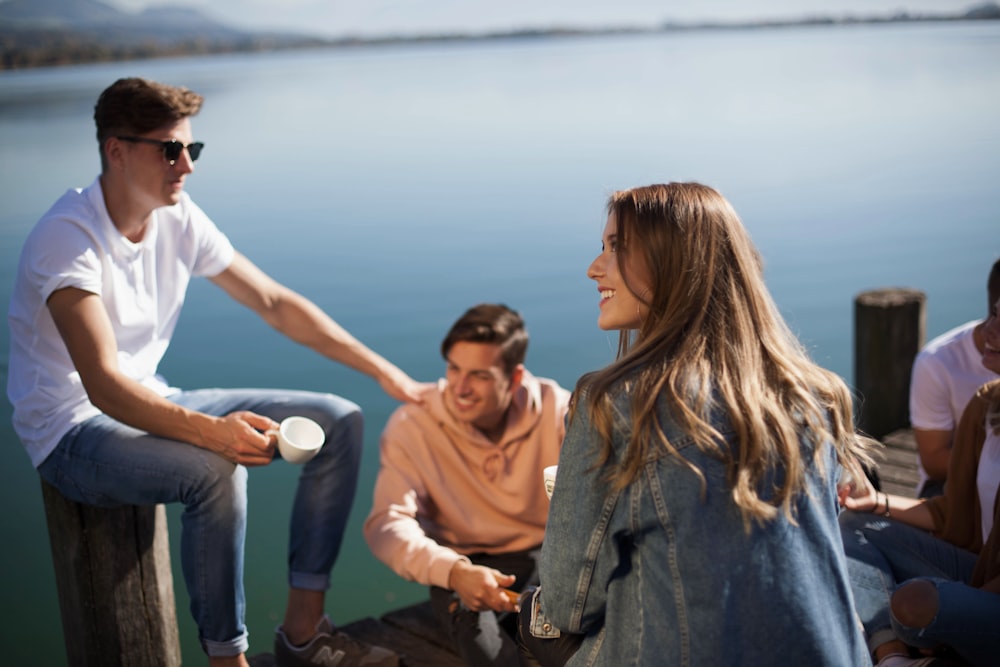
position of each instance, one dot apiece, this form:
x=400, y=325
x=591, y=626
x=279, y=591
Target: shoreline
x=28, y=46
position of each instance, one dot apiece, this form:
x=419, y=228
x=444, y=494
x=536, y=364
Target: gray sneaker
x=330, y=649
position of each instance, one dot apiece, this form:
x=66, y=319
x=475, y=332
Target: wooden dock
x=414, y=634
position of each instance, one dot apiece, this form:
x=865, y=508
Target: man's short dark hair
x=136, y=106
x=993, y=285
x=495, y=324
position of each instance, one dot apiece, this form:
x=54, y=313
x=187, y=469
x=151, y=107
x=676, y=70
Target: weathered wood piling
x=889, y=326
x=116, y=590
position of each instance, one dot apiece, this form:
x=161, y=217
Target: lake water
x=397, y=186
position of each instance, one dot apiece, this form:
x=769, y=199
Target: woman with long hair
x=694, y=515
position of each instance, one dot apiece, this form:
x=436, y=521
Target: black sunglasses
x=171, y=149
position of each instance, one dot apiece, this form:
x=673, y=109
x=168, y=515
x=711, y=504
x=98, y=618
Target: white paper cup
x=549, y=477
x=299, y=438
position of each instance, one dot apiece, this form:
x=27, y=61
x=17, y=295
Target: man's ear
x=516, y=376
x=113, y=151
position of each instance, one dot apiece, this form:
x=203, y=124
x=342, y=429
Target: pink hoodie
x=444, y=490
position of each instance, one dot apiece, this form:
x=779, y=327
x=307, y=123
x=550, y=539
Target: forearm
x=302, y=321
x=403, y=546
x=911, y=511
x=934, y=449
x=131, y=403
x=936, y=464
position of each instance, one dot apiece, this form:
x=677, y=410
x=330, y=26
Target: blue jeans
x=106, y=463
x=882, y=553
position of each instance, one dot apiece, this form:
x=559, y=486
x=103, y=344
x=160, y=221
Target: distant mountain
x=990, y=10
x=41, y=33
x=57, y=13
x=163, y=24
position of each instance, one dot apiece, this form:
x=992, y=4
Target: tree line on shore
x=22, y=48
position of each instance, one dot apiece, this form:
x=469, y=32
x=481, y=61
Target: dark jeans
x=541, y=651
x=486, y=637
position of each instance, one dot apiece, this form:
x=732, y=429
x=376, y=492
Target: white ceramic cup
x=549, y=477
x=299, y=438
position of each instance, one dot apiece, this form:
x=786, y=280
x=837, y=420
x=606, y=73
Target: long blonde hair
x=713, y=336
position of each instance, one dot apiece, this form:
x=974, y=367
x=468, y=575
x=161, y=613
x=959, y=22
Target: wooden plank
x=897, y=463
x=418, y=621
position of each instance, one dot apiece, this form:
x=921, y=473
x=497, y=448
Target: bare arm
x=934, y=449
x=302, y=321
x=86, y=330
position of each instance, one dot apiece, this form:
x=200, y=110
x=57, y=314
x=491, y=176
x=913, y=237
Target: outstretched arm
x=301, y=320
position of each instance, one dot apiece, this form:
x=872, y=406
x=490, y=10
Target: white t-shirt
x=142, y=285
x=946, y=374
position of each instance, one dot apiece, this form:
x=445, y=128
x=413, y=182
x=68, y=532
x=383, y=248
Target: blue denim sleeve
x=578, y=554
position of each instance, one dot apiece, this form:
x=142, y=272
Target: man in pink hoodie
x=459, y=502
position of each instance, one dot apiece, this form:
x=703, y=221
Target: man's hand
x=481, y=588
x=401, y=386
x=237, y=438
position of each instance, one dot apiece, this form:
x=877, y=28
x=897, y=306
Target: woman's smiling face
x=620, y=307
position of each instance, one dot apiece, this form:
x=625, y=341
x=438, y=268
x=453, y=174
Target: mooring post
x=116, y=593
x=889, y=328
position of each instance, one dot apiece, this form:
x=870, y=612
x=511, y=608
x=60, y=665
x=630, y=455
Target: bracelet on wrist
x=878, y=501
x=887, y=513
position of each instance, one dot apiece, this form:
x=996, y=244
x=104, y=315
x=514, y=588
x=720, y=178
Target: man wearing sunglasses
x=99, y=289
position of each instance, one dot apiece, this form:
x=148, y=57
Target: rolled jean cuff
x=309, y=582
x=226, y=649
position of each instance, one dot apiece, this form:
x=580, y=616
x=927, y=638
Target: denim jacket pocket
x=540, y=627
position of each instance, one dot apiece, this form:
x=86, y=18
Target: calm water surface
x=398, y=186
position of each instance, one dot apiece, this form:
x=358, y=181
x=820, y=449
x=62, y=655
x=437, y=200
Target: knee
x=339, y=415
x=915, y=603
x=221, y=483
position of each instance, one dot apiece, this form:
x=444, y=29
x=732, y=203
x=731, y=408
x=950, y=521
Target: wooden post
x=116, y=591
x=889, y=329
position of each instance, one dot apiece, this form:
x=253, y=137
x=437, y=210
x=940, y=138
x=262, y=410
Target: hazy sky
x=340, y=17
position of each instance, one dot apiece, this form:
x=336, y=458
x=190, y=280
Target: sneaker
x=328, y=648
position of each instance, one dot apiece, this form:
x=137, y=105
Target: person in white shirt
x=946, y=373
x=99, y=289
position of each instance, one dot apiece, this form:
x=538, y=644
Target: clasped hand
x=240, y=437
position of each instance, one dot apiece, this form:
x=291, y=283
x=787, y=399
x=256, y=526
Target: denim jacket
x=660, y=574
